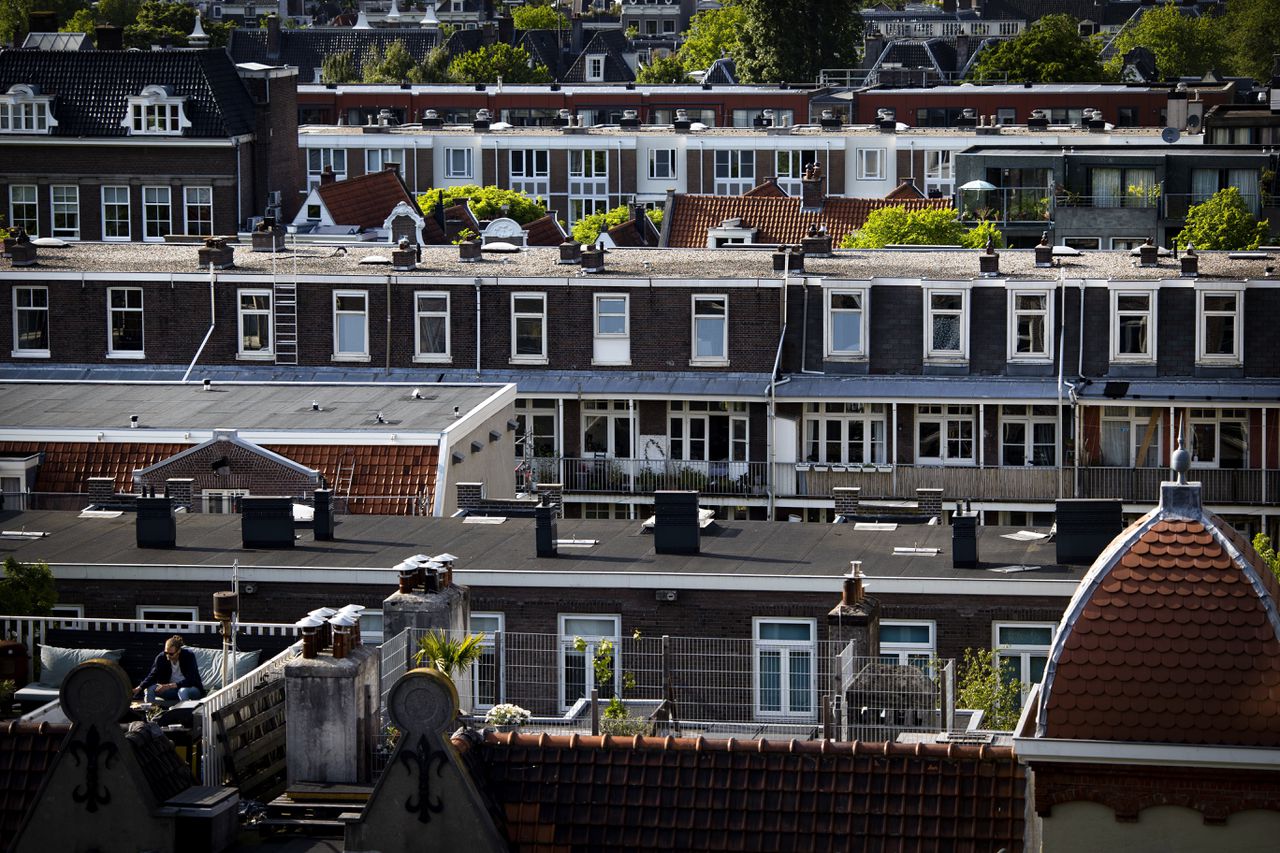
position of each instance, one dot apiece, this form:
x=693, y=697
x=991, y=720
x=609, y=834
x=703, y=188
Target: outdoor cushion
x=210, y=663
x=56, y=662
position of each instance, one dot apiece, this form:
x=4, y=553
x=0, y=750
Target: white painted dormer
x=731, y=232
x=24, y=110
x=156, y=112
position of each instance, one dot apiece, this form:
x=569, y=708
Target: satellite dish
x=1170, y=135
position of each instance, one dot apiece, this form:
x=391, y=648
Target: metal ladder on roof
x=340, y=490
x=285, y=302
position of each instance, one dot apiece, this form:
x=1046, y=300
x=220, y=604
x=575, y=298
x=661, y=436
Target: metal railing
x=1006, y=204
x=644, y=476
x=688, y=686
x=1176, y=205
x=1013, y=483
x=1146, y=200
x=1243, y=486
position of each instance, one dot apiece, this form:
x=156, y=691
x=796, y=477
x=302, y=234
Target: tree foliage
x=436, y=649
x=1251, y=32
x=1223, y=221
x=27, y=589
x=118, y=13
x=1262, y=544
x=667, y=69
x=1183, y=45
x=392, y=66
x=160, y=21
x=486, y=202
x=891, y=226
x=538, y=18
x=792, y=40
x=981, y=689
x=490, y=62
x=589, y=228
x=711, y=35
x=339, y=67
x=1049, y=51
x=15, y=15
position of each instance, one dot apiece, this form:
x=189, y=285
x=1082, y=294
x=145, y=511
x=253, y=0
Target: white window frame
x=351, y=354
x=1046, y=317
x=611, y=347
x=18, y=350
x=128, y=214
x=1236, y=356
x=1029, y=418
x=1023, y=653
x=697, y=358
x=463, y=170
x=1150, y=315
x=599, y=314
x=67, y=616
x=220, y=501
x=588, y=183
x=1217, y=418
x=733, y=170
x=24, y=110
x=533, y=174
x=33, y=202
x=566, y=644
x=63, y=207
x=166, y=224
x=664, y=171
x=318, y=158
x=619, y=420
x=528, y=358
x=376, y=159
x=947, y=416
x=1136, y=422
x=268, y=351
x=688, y=444
x=822, y=418
x=146, y=612
x=789, y=165
x=785, y=648
x=931, y=313
x=595, y=67
x=188, y=205
x=905, y=653
x=870, y=164
x=939, y=171
x=140, y=310
x=491, y=645
x=829, y=323
x=419, y=314
x=156, y=112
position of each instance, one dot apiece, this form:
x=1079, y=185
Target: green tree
x=1049, y=51
x=451, y=656
x=486, y=202
x=1262, y=544
x=1251, y=29
x=589, y=228
x=434, y=67
x=13, y=21
x=27, y=589
x=1183, y=45
x=667, y=69
x=982, y=689
x=118, y=13
x=711, y=35
x=932, y=226
x=159, y=20
x=795, y=39
x=339, y=67
x=82, y=21
x=487, y=64
x=538, y=18
x=1223, y=221
x=393, y=66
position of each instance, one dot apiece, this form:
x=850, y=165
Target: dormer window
x=156, y=112
x=24, y=110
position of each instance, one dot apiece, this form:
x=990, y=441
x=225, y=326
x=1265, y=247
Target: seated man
x=175, y=675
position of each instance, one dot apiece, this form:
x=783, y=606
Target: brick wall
x=897, y=330
x=243, y=469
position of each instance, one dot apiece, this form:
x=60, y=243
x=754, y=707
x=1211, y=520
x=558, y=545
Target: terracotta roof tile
x=365, y=200
x=768, y=188
x=1176, y=632
x=26, y=753
x=545, y=231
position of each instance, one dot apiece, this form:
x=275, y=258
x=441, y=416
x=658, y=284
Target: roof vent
x=763, y=121
x=630, y=118
x=20, y=249
x=155, y=526
x=829, y=120
x=968, y=118
x=1038, y=120
x=887, y=119
x=322, y=519
x=563, y=118
x=217, y=254
x=682, y=122
x=545, y=530
x=431, y=118
x=483, y=119
x=964, y=540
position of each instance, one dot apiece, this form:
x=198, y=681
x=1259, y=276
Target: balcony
x=1222, y=486
x=1176, y=205
x=1007, y=205
x=899, y=482
x=644, y=476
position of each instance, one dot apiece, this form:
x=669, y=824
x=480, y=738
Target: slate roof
x=564, y=794
x=26, y=752
x=543, y=47
x=1172, y=637
x=723, y=72
x=365, y=200
x=777, y=220
x=611, y=43
x=306, y=49
x=92, y=88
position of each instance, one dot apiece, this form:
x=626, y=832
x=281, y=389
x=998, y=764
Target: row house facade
x=137, y=146
x=887, y=372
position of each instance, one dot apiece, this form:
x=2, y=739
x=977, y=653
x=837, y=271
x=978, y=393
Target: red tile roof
x=396, y=480
x=1173, y=642
x=26, y=752
x=904, y=191
x=457, y=219
x=778, y=219
x=768, y=188
x=562, y=794
x=365, y=200
x=545, y=231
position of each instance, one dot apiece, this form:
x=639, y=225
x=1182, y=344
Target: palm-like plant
x=450, y=655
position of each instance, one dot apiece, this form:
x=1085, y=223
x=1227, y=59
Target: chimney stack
x=1149, y=254
x=853, y=592
x=1044, y=251
x=273, y=36
x=1086, y=528
x=327, y=176
x=155, y=526
x=107, y=37
x=989, y=261
x=322, y=520
x=1190, y=263
x=964, y=540
x=266, y=522
x=812, y=196
x=545, y=519
x=675, y=527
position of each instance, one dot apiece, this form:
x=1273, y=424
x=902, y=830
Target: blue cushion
x=56, y=662
x=210, y=663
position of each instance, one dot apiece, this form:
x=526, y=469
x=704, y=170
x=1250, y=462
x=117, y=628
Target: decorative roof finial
x=1181, y=463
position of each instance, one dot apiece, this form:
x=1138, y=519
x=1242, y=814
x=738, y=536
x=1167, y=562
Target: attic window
x=595, y=67
x=730, y=232
x=156, y=112
x=24, y=110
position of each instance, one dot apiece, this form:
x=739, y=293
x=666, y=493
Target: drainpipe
x=213, y=317
x=773, y=416
x=478, y=280
x=386, y=345
x=1062, y=333
x=239, y=191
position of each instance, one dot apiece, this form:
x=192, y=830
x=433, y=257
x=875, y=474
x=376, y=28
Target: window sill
x=845, y=356
x=1219, y=362
x=1140, y=359
x=433, y=359
x=30, y=353
x=255, y=356
x=349, y=357
x=1030, y=359
x=598, y=363
x=528, y=359
x=946, y=359
x=708, y=362
x=137, y=356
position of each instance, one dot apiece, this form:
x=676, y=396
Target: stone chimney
x=855, y=621
x=812, y=194
x=1044, y=251
x=846, y=500
x=273, y=36
x=331, y=702
x=1190, y=263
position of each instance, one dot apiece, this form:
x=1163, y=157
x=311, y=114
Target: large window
x=529, y=327
x=611, y=342
x=65, y=203
x=377, y=159
x=1219, y=438
x=1124, y=187
x=908, y=643
x=1219, y=328
x=846, y=324
x=161, y=118
x=1028, y=435
x=199, y=210
x=786, y=679
x=1131, y=433
x=1030, y=325
x=115, y=213
x=535, y=428
x=431, y=332
x=710, y=330
x=124, y=321
x=486, y=673
x=870, y=164
x=581, y=639
x=31, y=321
x=351, y=325
x=1132, y=326
x=790, y=166
x=712, y=431
x=735, y=171
x=944, y=435
x=946, y=326
x=844, y=433
x=1022, y=651
x=457, y=163
x=23, y=209
x=157, y=213
x=531, y=173
x=18, y=116
x=255, y=323
x=588, y=183
x=939, y=173
x=662, y=164
x=318, y=159
x=606, y=428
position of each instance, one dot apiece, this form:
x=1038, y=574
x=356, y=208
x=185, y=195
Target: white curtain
x=1246, y=180
x=1106, y=188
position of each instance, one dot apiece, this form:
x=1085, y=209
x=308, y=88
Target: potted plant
x=507, y=717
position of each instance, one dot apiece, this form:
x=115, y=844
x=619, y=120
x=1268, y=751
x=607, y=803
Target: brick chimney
x=846, y=500
x=929, y=502
x=855, y=621
x=102, y=490
x=812, y=197
x=470, y=495
x=107, y=37
x=181, y=491
x=273, y=36
x=327, y=176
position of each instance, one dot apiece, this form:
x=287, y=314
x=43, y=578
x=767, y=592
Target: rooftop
x=1050, y=136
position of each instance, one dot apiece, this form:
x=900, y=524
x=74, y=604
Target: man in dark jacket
x=175, y=675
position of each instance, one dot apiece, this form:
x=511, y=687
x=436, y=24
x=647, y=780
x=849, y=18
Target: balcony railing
x=899, y=482
x=1176, y=205
x=643, y=476
x=1004, y=205
x=1244, y=486
x=1144, y=201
